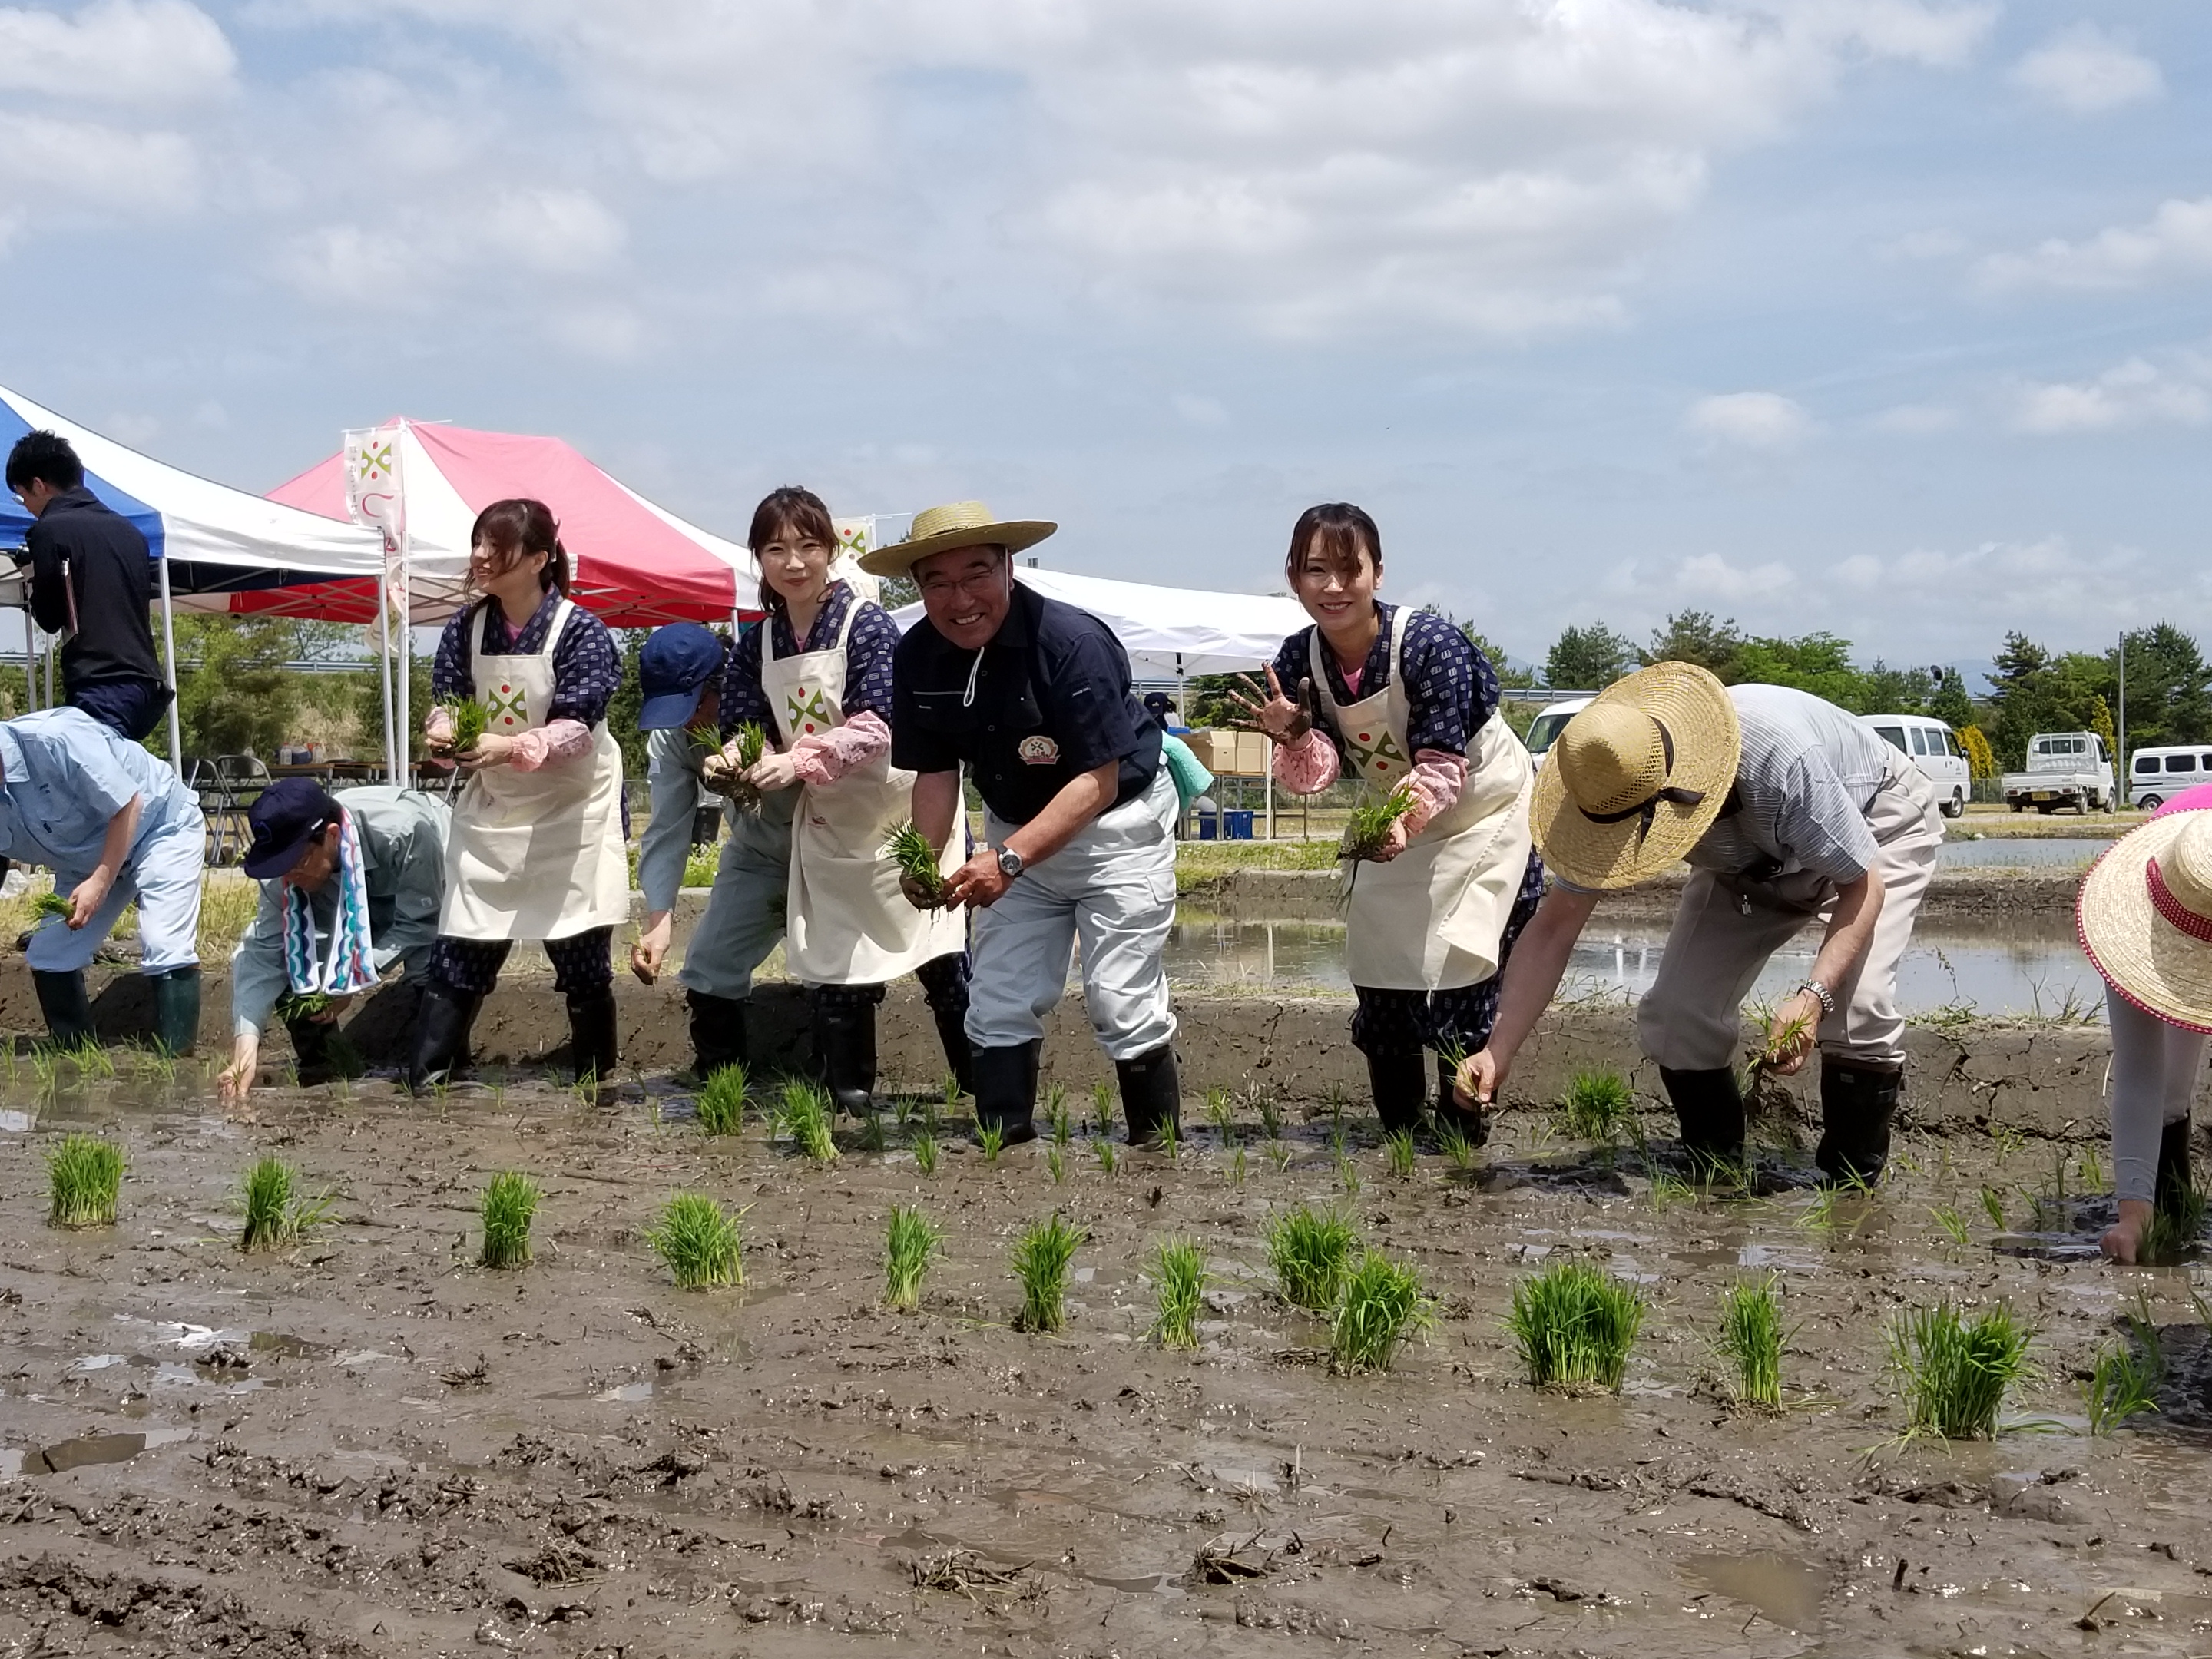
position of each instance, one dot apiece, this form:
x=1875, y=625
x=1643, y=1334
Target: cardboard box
x=1216, y=751
x=1253, y=753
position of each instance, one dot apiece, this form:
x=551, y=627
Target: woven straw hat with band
x=961, y=524
x=2145, y=918
x=1637, y=777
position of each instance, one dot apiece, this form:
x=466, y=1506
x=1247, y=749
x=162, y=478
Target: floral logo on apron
x=507, y=706
x=1373, y=750
x=808, y=711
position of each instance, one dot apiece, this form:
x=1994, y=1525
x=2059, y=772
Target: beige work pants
x=1727, y=927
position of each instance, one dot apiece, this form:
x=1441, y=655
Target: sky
x=1886, y=318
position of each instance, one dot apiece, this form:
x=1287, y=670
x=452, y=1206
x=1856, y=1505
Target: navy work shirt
x=83, y=551
x=1051, y=700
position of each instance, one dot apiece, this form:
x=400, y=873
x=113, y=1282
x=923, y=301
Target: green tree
x=1588, y=659
x=2167, y=688
x=234, y=695
x=1694, y=636
x=1947, y=700
x=2035, y=691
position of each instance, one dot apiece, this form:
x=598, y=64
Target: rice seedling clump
x=721, y=1102
x=2123, y=1381
x=1751, y=1338
x=1310, y=1250
x=1575, y=1326
x=1955, y=1370
x=911, y=1241
x=1398, y=1152
x=917, y=863
x=2176, y=1224
x=1040, y=1262
x=1180, y=1268
x=1380, y=1306
x=509, y=1204
x=273, y=1215
x=1598, y=1106
x=469, y=719
x=803, y=1111
x=84, y=1175
x=1368, y=824
x=699, y=1241
x=51, y=904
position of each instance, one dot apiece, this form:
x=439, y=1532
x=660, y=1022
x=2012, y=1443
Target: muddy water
x=366, y=1445
x=2031, y=965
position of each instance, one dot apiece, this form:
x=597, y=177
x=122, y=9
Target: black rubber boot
x=1709, y=1107
x=2173, y=1179
x=845, y=1046
x=311, y=1049
x=592, y=1045
x=718, y=1033
x=1006, y=1090
x=177, y=1009
x=441, y=1036
x=68, y=1009
x=1450, y=1115
x=952, y=1033
x=1400, y=1085
x=1856, y=1105
x=1151, y=1095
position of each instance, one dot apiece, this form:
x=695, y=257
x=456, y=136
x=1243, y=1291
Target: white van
x=1544, y=731
x=2156, y=776
x=1935, y=750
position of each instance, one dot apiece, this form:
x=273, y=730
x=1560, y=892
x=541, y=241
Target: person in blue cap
x=351, y=885
x=116, y=826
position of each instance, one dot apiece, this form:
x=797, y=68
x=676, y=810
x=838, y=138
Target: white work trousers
x=1112, y=891
x=163, y=875
x=2155, y=1067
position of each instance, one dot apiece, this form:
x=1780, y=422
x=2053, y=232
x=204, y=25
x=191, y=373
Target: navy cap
x=674, y=667
x=284, y=818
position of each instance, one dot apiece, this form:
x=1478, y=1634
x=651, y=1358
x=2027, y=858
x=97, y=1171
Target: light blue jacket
x=64, y=776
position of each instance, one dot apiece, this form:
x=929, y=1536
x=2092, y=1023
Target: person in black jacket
x=90, y=580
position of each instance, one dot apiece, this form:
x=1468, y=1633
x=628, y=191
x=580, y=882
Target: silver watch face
x=1010, y=861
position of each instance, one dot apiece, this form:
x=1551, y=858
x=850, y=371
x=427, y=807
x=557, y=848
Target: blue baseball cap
x=284, y=817
x=674, y=667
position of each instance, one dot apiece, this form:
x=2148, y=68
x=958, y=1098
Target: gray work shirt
x=403, y=850
x=1809, y=775
x=671, y=776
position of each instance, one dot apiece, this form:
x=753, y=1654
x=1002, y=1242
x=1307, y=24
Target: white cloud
x=1936, y=244
x=1755, y=419
x=2133, y=393
x=120, y=51
x=1199, y=412
x=561, y=230
x=2176, y=243
x=2041, y=586
x=1711, y=578
x=1916, y=420
x=62, y=167
x=2083, y=70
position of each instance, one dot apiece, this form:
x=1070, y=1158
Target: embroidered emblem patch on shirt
x=1039, y=751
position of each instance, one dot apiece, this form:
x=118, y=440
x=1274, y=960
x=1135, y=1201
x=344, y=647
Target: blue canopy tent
x=207, y=540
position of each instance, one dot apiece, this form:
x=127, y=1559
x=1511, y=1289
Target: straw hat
x=1637, y=776
x=2145, y=918
x=961, y=524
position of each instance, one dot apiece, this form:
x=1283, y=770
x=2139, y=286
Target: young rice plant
x=84, y=1176
x=1751, y=1338
x=925, y=1152
x=917, y=863
x=509, y=1206
x=1180, y=1267
x=1398, y=1152
x=1955, y=1370
x=469, y=719
x=51, y=904
x=1380, y=1306
x=911, y=1241
x=273, y=1215
x=803, y=1109
x=2124, y=1381
x=721, y=1102
x=1310, y=1252
x=1041, y=1262
x=1598, y=1105
x=699, y=1241
x=1575, y=1326
x=2175, y=1226
x=1368, y=824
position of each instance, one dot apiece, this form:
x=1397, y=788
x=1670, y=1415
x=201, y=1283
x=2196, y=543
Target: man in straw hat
x=2145, y=917
x=1787, y=809
x=1034, y=698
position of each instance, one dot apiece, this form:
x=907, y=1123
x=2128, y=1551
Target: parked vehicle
x=2064, y=768
x=1544, y=731
x=2156, y=776
x=1935, y=750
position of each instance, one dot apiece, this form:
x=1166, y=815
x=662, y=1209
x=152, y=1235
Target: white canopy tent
x=208, y=540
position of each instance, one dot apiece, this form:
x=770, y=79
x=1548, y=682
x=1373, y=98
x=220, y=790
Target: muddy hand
x=1478, y=1080
x=1282, y=719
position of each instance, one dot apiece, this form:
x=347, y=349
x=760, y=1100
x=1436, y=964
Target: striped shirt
x=1808, y=775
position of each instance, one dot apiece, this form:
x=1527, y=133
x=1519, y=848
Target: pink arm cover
x=826, y=757
x=1306, y=765
x=1435, y=781
x=551, y=744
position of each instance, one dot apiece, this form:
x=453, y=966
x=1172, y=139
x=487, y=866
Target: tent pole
x=384, y=672
x=403, y=665
x=169, y=653
x=30, y=660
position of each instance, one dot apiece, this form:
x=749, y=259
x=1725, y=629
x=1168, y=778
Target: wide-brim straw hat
x=1637, y=777
x=2145, y=918
x=958, y=524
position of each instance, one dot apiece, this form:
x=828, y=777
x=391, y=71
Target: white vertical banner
x=374, y=496
x=855, y=535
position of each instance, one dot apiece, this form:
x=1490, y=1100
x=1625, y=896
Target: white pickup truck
x=2064, y=768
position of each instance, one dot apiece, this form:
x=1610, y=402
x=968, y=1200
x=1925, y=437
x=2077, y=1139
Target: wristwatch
x=1010, y=863
x=1821, y=993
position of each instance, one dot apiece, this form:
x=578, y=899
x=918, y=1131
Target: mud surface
x=366, y=1445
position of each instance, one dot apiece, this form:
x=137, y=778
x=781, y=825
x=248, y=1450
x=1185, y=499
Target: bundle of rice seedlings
x=1102, y=1107
x=1458, y=1150
x=917, y=862
x=1056, y=1114
x=1108, y=1159
x=1598, y=1105
x=1310, y=1251
x=1954, y=1371
x=924, y=1152
x=699, y=1241
x=804, y=1111
x=1368, y=825
x=1751, y=1338
x=84, y=1178
x=2124, y=1383
x=2176, y=1224
x=1180, y=1269
x=721, y=1102
x=992, y=1139
x=51, y=904
x=273, y=1215
x=469, y=719
x=1575, y=1326
x=302, y=1005
x=1221, y=1113
x=1993, y=1205
x=508, y=1206
x=1398, y=1152
x=1041, y=1260
x=1381, y=1305
x=911, y=1241
x=1055, y=1163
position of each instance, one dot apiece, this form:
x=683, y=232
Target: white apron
x=1429, y=919
x=535, y=855
x=846, y=921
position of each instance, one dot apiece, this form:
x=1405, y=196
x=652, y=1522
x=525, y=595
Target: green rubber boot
x=68, y=1009
x=177, y=1009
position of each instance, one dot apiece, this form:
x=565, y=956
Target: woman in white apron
x=1396, y=697
x=536, y=851
x=817, y=678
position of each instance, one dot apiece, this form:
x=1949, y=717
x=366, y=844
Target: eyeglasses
x=975, y=581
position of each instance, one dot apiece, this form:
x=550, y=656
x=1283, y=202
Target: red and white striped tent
x=636, y=565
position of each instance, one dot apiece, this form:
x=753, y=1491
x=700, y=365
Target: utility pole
x=2120, y=775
